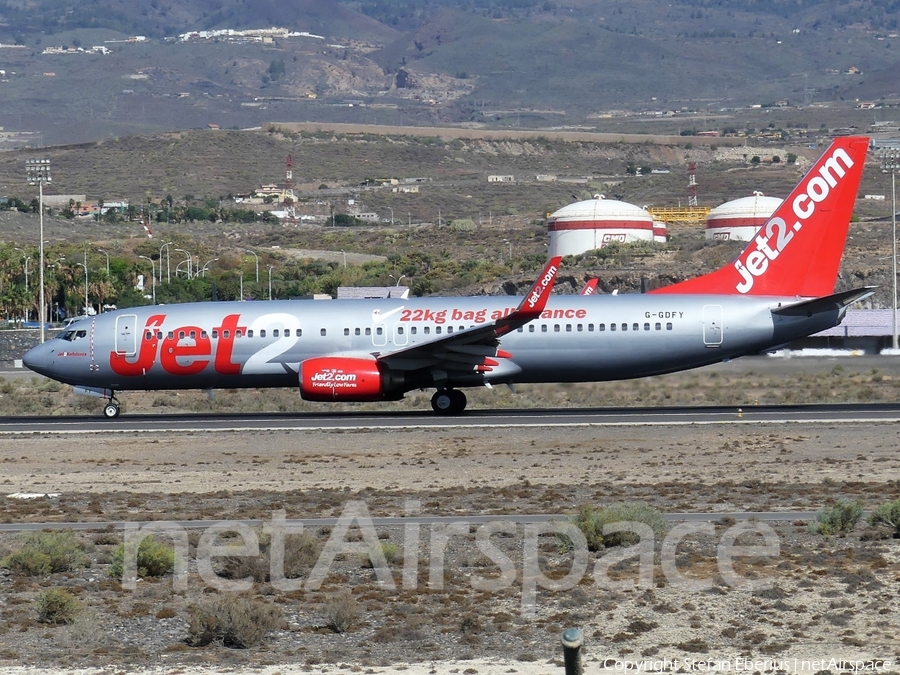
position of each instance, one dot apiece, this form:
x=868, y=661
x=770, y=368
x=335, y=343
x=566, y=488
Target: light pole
x=38, y=172
x=84, y=265
x=890, y=160
x=206, y=266
x=270, y=281
x=168, y=262
x=392, y=216
x=100, y=250
x=153, y=274
x=253, y=253
x=402, y=276
x=189, y=261
x=242, y=285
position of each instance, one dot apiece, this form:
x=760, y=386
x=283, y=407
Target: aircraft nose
x=39, y=358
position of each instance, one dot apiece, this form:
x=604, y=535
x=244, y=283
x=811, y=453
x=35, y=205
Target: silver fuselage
x=576, y=339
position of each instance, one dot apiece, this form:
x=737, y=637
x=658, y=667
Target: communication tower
x=692, y=184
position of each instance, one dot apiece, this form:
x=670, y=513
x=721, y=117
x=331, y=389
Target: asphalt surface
x=808, y=414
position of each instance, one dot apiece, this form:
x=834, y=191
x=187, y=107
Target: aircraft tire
x=111, y=410
x=459, y=401
x=442, y=402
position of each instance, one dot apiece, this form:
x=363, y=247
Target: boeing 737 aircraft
x=780, y=288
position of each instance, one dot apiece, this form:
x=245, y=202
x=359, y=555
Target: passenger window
x=531, y=328
x=556, y=328
x=193, y=335
x=299, y=332
x=449, y=330
x=159, y=335
x=590, y=328
x=215, y=334
x=181, y=335
x=356, y=331
x=148, y=335
x=171, y=335
x=601, y=327
x=427, y=330
x=323, y=332
x=399, y=330
x=437, y=330
x=612, y=326
x=238, y=333
x=368, y=331
x=275, y=332
x=412, y=330
x=580, y=328
x=203, y=334
x=226, y=334
x=262, y=333
x=520, y=329
x=568, y=328
x=346, y=331
x=378, y=331
x=668, y=326
x=544, y=328
x=658, y=326
x=646, y=326
x=636, y=326
x=624, y=326
x=250, y=333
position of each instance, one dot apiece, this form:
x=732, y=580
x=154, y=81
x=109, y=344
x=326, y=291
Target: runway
x=475, y=419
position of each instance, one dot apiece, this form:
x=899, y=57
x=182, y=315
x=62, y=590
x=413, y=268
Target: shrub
x=27, y=562
x=887, y=515
x=837, y=519
x=591, y=519
x=342, y=613
x=389, y=550
x=235, y=620
x=57, y=606
x=154, y=559
x=45, y=552
x=301, y=551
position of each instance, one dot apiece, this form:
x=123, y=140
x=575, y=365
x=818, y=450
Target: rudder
x=798, y=251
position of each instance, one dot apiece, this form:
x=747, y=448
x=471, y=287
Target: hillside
x=487, y=62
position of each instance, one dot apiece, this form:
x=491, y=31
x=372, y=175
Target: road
x=854, y=413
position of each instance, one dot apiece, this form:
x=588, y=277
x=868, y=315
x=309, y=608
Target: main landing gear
x=111, y=409
x=448, y=402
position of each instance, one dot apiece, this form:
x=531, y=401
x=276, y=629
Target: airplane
x=780, y=288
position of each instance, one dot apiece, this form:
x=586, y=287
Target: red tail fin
x=590, y=287
x=798, y=251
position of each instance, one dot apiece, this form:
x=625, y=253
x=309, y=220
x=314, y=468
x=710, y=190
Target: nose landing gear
x=448, y=402
x=111, y=409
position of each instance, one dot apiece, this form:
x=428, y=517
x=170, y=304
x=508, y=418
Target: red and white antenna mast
x=692, y=184
x=287, y=197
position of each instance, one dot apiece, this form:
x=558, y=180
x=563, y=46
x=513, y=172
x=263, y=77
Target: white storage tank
x=740, y=219
x=595, y=223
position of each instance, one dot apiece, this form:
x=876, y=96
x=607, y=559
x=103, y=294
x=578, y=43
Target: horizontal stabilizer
x=828, y=303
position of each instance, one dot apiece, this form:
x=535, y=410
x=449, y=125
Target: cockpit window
x=70, y=335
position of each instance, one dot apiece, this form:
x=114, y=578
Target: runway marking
x=426, y=426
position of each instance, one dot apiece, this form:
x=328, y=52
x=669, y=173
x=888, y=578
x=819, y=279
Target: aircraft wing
x=474, y=349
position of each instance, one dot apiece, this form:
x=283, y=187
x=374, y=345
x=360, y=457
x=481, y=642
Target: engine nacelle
x=341, y=378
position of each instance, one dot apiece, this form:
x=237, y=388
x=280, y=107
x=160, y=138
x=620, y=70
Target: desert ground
x=817, y=598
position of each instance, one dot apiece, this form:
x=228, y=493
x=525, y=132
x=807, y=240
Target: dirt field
x=828, y=597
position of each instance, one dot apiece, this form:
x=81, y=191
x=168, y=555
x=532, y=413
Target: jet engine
x=347, y=378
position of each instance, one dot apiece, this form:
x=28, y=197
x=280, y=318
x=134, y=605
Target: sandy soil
x=831, y=597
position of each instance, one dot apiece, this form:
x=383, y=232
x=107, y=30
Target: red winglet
x=503, y=354
x=798, y=251
x=590, y=287
x=537, y=296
